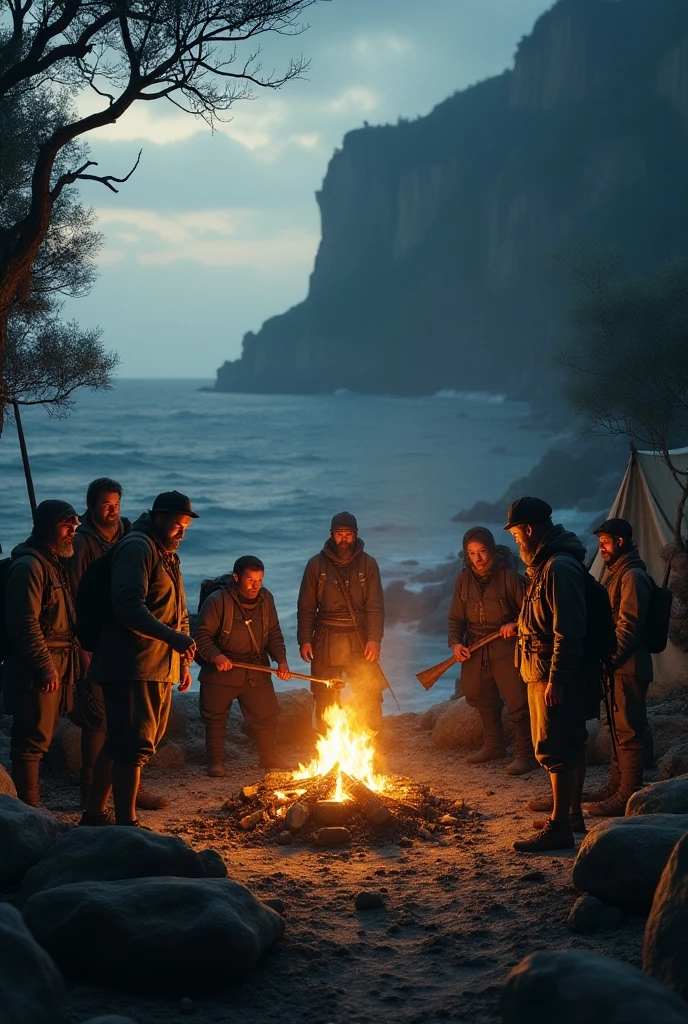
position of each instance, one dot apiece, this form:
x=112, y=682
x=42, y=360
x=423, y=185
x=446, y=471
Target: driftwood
x=369, y=802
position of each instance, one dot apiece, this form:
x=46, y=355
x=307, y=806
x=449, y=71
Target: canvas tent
x=648, y=498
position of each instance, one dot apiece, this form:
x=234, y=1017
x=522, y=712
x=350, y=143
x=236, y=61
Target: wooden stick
x=336, y=684
x=430, y=676
x=369, y=802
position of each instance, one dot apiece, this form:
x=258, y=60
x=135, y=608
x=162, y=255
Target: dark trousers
x=258, y=705
x=630, y=712
x=485, y=683
x=35, y=718
x=137, y=712
x=559, y=733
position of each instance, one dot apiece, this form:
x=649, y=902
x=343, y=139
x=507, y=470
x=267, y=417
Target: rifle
x=430, y=676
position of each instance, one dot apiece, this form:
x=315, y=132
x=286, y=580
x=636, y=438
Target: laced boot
x=105, y=817
x=556, y=835
x=25, y=778
x=493, y=748
x=631, y=779
x=576, y=821
x=268, y=755
x=148, y=801
x=607, y=789
x=215, y=751
x=524, y=758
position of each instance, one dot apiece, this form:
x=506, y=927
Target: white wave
x=485, y=397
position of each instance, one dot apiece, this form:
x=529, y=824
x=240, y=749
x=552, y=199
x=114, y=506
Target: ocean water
x=266, y=473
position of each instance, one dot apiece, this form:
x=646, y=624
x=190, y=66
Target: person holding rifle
x=340, y=621
x=487, y=598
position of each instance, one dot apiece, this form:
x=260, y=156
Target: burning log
x=251, y=820
x=332, y=812
x=320, y=788
x=369, y=802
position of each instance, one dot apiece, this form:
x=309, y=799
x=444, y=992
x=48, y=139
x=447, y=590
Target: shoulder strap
x=463, y=591
x=322, y=579
x=227, y=610
x=247, y=622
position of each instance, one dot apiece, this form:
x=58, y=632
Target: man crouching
x=551, y=634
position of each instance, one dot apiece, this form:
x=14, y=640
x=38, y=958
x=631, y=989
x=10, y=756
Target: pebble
x=367, y=899
x=425, y=833
x=533, y=876
x=285, y=838
x=448, y=819
x=405, y=841
x=331, y=836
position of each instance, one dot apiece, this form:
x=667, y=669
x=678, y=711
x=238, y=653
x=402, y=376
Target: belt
x=532, y=645
x=346, y=623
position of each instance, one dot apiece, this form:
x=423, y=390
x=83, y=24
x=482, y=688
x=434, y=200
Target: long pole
x=25, y=456
x=336, y=684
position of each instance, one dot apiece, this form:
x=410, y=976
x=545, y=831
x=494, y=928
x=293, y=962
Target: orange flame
x=348, y=744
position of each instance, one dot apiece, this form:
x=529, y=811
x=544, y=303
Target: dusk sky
x=216, y=233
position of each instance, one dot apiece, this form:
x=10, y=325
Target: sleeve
x=24, y=600
x=565, y=592
x=78, y=563
x=516, y=589
x=307, y=603
x=375, y=606
x=132, y=564
x=634, y=601
x=208, y=625
x=457, y=617
x=275, y=641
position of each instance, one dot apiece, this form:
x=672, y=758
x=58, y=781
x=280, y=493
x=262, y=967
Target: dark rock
x=134, y=931
x=675, y=761
x=622, y=859
x=459, y=726
x=168, y=757
x=579, y=987
x=533, y=876
x=588, y=915
x=668, y=797
x=367, y=899
x=7, y=786
x=213, y=863
x=285, y=839
x=331, y=836
x=64, y=756
x=276, y=904
x=295, y=718
x=31, y=986
x=665, y=950
x=26, y=835
x=109, y=853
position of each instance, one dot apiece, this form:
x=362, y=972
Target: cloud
x=286, y=248
x=308, y=141
x=353, y=100
x=109, y=256
x=378, y=44
x=143, y=123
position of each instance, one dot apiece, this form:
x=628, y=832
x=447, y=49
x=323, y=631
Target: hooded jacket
x=630, y=591
x=553, y=620
x=491, y=601
x=89, y=544
x=39, y=617
x=149, y=607
x=360, y=574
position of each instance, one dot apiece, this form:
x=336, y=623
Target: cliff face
x=434, y=271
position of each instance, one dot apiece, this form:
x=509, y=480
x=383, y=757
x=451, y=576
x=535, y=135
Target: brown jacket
x=89, y=545
x=630, y=590
x=39, y=618
x=478, y=608
x=149, y=607
x=321, y=602
x=220, y=610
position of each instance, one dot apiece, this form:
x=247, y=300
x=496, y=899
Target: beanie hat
x=344, y=521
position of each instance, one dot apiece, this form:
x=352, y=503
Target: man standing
x=238, y=622
x=487, y=599
x=143, y=649
x=40, y=669
x=551, y=633
x=630, y=591
x=340, y=621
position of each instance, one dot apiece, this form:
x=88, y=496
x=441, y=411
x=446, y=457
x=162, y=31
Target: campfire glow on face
x=348, y=745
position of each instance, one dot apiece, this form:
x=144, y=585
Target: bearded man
x=340, y=621
x=39, y=672
x=487, y=599
x=551, y=641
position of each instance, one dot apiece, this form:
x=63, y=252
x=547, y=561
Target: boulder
x=580, y=987
x=675, y=761
x=26, y=834
x=295, y=719
x=621, y=860
x=7, y=786
x=667, y=730
x=168, y=757
x=589, y=915
x=668, y=797
x=458, y=725
x=64, y=756
x=30, y=983
x=157, y=931
x=599, y=747
x=176, y=723
x=665, y=950
x=110, y=1018
x=108, y=853
x=429, y=718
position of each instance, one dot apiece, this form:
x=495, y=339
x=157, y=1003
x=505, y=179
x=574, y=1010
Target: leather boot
x=631, y=769
x=215, y=750
x=493, y=748
x=268, y=755
x=25, y=778
x=524, y=758
x=607, y=789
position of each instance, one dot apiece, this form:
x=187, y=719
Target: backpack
x=93, y=603
x=227, y=582
x=658, y=618
x=5, y=642
x=600, y=635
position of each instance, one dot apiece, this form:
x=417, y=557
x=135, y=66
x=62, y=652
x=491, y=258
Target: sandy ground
x=459, y=912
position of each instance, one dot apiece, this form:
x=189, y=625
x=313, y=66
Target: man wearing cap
x=340, y=620
x=630, y=590
x=143, y=649
x=39, y=617
x=551, y=634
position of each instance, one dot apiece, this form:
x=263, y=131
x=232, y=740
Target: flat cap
x=615, y=528
x=174, y=501
x=527, y=510
x=344, y=521
x=52, y=512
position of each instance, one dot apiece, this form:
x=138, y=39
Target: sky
x=214, y=233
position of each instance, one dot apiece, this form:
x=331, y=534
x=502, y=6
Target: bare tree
x=626, y=365
x=123, y=51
